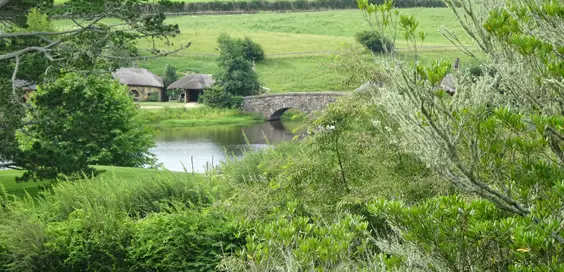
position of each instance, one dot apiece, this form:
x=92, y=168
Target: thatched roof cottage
x=193, y=85
x=27, y=86
x=141, y=83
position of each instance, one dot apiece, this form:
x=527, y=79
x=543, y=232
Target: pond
x=179, y=148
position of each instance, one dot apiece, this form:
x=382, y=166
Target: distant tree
x=237, y=76
x=169, y=77
x=245, y=47
x=251, y=50
x=78, y=121
x=374, y=41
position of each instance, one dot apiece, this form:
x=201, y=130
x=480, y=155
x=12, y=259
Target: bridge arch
x=272, y=106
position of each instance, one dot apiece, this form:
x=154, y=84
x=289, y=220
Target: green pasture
x=298, y=45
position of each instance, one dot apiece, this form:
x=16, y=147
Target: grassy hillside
x=297, y=45
x=8, y=178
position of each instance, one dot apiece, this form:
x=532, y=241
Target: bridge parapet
x=272, y=106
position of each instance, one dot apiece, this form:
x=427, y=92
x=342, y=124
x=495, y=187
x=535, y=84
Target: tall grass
x=197, y=116
x=89, y=224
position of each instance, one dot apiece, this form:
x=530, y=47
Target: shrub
x=92, y=240
x=153, y=97
x=374, y=41
x=290, y=240
x=185, y=240
x=474, y=235
x=217, y=97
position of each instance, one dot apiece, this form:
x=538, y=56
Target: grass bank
x=234, y=120
x=200, y=116
x=8, y=178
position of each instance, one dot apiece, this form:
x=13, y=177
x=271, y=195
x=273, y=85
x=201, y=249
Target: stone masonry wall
x=144, y=91
x=272, y=106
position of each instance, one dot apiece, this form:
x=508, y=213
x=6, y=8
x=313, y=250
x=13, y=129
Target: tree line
x=281, y=5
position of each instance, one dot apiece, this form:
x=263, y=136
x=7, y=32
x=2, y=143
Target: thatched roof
x=138, y=77
x=25, y=85
x=192, y=82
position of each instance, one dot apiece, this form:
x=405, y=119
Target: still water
x=204, y=145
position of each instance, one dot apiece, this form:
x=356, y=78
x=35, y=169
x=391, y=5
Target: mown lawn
x=317, y=34
x=8, y=178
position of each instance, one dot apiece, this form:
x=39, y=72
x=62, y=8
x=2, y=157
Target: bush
x=458, y=234
x=291, y=240
x=217, y=97
x=153, y=97
x=374, y=41
x=185, y=240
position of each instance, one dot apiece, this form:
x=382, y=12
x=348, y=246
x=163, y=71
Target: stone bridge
x=272, y=106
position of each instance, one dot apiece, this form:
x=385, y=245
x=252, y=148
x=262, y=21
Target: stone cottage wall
x=144, y=92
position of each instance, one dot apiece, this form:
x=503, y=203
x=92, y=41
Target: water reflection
x=203, y=145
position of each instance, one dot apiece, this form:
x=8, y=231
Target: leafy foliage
x=499, y=136
x=78, y=121
x=169, y=77
x=3, y=197
x=11, y=115
x=355, y=66
x=237, y=76
x=307, y=245
x=153, y=97
x=113, y=224
x=252, y=50
x=217, y=97
x=375, y=42
x=182, y=240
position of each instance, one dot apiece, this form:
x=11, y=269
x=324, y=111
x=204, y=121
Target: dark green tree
x=252, y=50
x=169, y=77
x=78, y=121
x=237, y=75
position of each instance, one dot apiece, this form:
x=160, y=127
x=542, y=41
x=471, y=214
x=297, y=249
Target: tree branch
x=14, y=75
x=43, y=49
x=46, y=48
